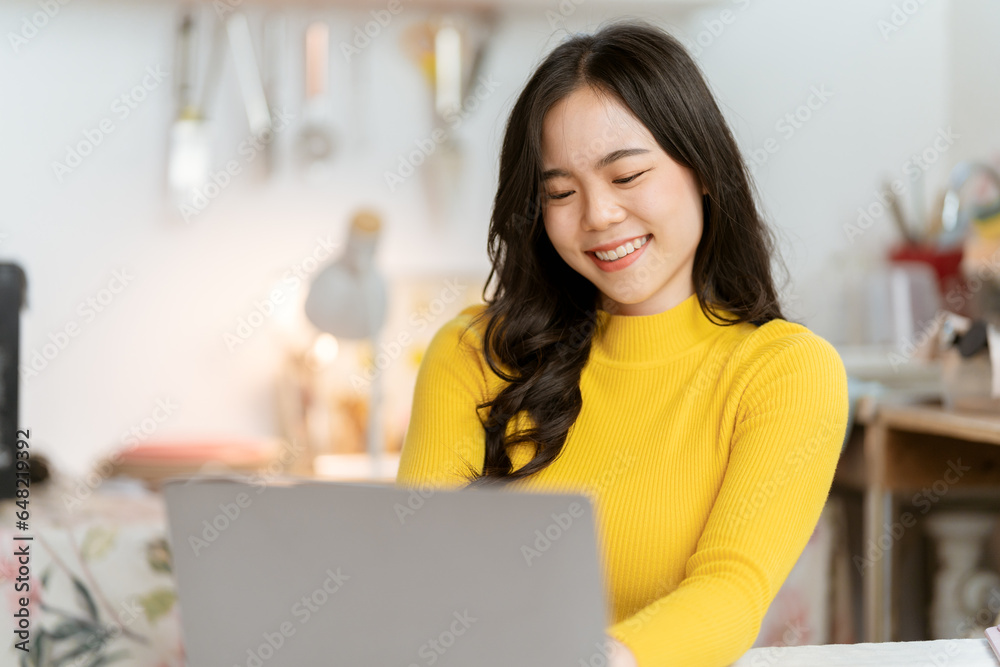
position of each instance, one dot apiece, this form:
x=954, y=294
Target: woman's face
x=590, y=147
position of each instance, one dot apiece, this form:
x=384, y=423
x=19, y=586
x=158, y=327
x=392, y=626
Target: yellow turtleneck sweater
x=708, y=451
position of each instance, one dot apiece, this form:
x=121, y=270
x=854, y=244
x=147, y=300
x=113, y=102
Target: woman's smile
x=627, y=255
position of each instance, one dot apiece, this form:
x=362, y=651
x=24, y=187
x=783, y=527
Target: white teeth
x=622, y=250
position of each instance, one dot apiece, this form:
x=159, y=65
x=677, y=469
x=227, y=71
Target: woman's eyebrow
x=600, y=164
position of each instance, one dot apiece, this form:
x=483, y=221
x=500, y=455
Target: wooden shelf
x=909, y=459
x=935, y=420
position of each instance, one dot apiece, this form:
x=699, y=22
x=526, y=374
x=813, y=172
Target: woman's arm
x=789, y=431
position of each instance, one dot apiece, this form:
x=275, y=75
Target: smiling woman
x=634, y=349
x=601, y=217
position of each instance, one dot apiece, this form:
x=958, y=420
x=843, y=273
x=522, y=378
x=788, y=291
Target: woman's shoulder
x=467, y=327
x=453, y=351
x=460, y=335
x=783, y=347
x=460, y=340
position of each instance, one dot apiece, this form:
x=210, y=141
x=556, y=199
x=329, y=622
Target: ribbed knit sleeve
x=444, y=431
x=790, y=422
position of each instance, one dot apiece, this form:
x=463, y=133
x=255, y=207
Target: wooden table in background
x=902, y=448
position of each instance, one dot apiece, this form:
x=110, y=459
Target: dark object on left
x=13, y=288
x=39, y=472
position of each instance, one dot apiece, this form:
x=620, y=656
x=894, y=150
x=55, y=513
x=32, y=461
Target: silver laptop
x=302, y=573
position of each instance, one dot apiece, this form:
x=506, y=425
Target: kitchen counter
x=938, y=653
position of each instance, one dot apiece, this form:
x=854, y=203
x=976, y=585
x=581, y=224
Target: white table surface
x=938, y=653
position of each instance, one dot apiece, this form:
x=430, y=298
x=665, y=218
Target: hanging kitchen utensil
x=360, y=72
x=189, y=160
x=442, y=167
x=486, y=27
x=455, y=46
x=213, y=68
x=316, y=142
x=271, y=60
x=184, y=63
x=241, y=43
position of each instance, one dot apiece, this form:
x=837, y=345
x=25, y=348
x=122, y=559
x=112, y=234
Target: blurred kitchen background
x=179, y=177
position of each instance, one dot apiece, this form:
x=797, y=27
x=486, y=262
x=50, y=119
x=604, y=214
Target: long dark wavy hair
x=543, y=314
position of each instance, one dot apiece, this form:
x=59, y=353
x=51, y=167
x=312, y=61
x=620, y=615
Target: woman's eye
x=563, y=195
x=631, y=178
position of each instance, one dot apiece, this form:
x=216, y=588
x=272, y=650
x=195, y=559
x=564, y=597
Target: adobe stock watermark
x=105, y=467
x=435, y=647
x=639, y=619
x=303, y=610
x=623, y=461
x=291, y=280
x=924, y=500
x=419, y=494
x=310, y=604
x=213, y=527
x=601, y=657
x=564, y=9
x=391, y=350
x=707, y=376
x=425, y=147
x=767, y=656
x=223, y=7
x=222, y=177
x=414, y=502
x=789, y=124
x=984, y=273
x=912, y=168
x=129, y=610
x=544, y=539
x=982, y=618
x=121, y=108
x=31, y=25
x=908, y=347
x=712, y=29
x=782, y=476
x=364, y=35
x=941, y=658
x=899, y=17
x=38, y=359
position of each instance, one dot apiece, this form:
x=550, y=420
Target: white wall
x=162, y=336
x=975, y=81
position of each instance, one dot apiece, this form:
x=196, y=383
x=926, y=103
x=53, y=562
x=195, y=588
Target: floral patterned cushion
x=100, y=588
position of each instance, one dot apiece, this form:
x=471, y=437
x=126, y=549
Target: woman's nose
x=602, y=209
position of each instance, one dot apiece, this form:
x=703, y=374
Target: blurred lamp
x=348, y=300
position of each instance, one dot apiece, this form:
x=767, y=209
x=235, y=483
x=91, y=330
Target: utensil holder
x=946, y=263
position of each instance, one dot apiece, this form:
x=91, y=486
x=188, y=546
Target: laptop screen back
x=338, y=573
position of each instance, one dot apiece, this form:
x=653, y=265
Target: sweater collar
x=643, y=340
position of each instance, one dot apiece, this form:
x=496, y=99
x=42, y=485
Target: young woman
x=634, y=349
